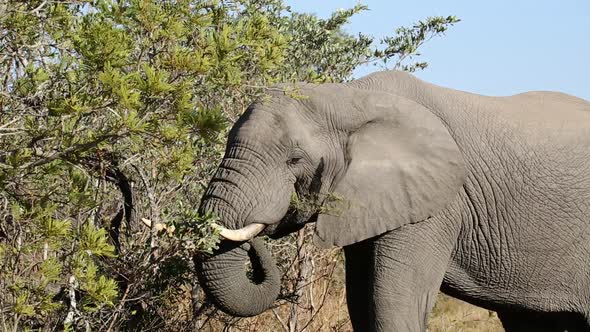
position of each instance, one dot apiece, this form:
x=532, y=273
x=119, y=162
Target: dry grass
x=452, y=315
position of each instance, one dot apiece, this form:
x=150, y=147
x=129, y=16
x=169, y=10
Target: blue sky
x=500, y=47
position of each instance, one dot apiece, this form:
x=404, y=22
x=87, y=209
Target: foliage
x=113, y=116
x=331, y=204
x=405, y=43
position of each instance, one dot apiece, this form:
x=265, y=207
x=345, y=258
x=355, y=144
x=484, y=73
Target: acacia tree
x=113, y=116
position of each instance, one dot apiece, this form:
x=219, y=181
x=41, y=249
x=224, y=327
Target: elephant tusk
x=243, y=234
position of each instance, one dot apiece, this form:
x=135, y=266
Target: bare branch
x=278, y=317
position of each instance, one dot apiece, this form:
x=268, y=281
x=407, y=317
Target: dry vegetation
x=452, y=315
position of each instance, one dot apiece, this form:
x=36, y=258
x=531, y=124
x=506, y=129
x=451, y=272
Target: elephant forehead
x=257, y=125
x=257, y=118
x=275, y=126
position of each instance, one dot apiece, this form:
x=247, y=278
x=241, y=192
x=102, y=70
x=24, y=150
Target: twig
x=16, y=322
x=154, y=209
x=5, y=126
x=311, y=287
x=119, y=307
x=72, y=285
x=278, y=317
x=34, y=11
x=264, y=88
x=71, y=149
x=11, y=133
x=323, y=297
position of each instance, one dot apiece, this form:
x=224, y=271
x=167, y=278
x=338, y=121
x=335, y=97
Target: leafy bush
x=113, y=116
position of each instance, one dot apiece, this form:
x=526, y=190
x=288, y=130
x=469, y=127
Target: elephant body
x=524, y=209
x=486, y=198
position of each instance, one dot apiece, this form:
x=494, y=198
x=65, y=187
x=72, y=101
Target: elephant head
x=389, y=159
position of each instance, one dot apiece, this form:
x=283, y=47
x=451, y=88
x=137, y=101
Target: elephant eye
x=296, y=156
x=294, y=160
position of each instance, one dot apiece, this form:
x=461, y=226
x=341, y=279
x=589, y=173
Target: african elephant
x=485, y=198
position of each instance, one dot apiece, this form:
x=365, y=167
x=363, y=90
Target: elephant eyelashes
x=296, y=157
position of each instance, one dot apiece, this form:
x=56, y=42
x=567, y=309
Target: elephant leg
x=359, y=264
x=408, y=268
x=518, y=321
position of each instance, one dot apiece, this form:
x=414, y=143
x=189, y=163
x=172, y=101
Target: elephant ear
x=403, y=167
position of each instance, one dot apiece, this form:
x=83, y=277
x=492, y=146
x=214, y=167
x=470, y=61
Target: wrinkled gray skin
x=486, y=198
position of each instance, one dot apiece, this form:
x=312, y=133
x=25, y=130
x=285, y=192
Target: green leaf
x=94, y=241
x=51, y=270
x=21, y=305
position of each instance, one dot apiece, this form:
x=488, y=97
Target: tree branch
x=70, y=150
x=116, y=176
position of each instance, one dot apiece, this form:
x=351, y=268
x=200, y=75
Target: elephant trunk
x=234, y=287
x=241, y=278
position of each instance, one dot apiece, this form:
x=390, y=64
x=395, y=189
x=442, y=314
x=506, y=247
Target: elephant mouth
x=292, y=222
